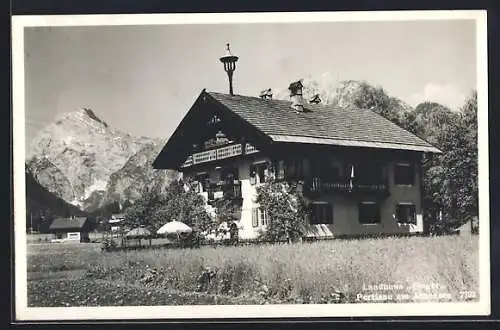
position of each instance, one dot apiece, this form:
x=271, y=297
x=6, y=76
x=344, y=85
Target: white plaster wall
x=249, y=194
x=345, y=209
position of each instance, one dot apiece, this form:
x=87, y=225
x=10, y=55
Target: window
x=280, y=170
x=229, y=174
x=255, y=217
x=264, y=219
x=210, y=192
x=203, y=179
x=325, y=168
x=261, y=172
x=404, y=174
x=294, y=169
x=369, y=213
x=321, y=213
x=258, y=172
x=405, y=213
x=368, y=173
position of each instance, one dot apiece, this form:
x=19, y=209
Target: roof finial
x=229, y=61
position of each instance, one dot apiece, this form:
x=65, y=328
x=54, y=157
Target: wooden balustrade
x=219, y=153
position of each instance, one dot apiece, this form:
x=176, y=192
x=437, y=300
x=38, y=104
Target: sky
x=143, y=79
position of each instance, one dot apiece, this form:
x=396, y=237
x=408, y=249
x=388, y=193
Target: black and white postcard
x=251, y=165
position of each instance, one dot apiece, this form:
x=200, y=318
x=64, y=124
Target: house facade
x=73, y=229
x=358, y=172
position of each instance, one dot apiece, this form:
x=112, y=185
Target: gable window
x=321, y=213
x=369, y=213
x=405, y=213
x=404, y=174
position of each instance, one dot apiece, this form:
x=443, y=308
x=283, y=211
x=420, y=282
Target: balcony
x=317, y=186
x=224, y=152
x=230, y=190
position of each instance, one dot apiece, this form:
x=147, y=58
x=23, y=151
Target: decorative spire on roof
x=266, y=94
x=315, y=99
x=229, y=61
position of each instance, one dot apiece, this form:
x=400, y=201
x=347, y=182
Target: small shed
x=75, y=229
x=116, y=221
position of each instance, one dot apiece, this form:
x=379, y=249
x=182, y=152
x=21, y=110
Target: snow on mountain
x=85, y=150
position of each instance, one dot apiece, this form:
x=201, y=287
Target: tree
x=461, y=161
x=450, y=179
x=144, y=209
x=226, y=213
x=179, y=202
x=377, y=100
x=286, y=211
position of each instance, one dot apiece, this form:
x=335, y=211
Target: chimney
x=266, y=94
x=296, y=95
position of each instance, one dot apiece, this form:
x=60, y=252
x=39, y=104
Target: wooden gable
x=201, y=125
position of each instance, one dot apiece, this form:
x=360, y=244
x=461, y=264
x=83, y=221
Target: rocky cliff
x=75, y=156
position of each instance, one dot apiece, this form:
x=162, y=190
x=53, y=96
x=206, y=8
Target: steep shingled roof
x=322, y=124
x=267, y=120
x=68, y=223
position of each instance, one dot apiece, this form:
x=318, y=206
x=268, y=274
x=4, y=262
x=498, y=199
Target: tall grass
x=308, y=272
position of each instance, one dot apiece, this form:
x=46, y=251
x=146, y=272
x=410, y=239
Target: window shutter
x=255, y=217
x=263, y=217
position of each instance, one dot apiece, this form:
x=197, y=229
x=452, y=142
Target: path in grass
x=74, y=292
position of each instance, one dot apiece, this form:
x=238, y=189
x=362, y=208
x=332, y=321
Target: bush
x=286, y=211
x=108, y=244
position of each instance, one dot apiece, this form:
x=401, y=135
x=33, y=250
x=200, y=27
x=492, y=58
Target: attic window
x=214, y=120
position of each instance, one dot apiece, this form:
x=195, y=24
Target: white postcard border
x=244, y=311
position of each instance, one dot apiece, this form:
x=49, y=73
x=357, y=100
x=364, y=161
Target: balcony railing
x=227, y=151
x=224, y=189
x=250, y=149
x=319, y=186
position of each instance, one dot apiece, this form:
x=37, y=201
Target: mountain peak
x=90, y=113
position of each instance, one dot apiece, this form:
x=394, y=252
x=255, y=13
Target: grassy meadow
x=339, y=271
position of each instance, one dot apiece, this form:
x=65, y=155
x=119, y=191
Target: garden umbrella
x=174, y=227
